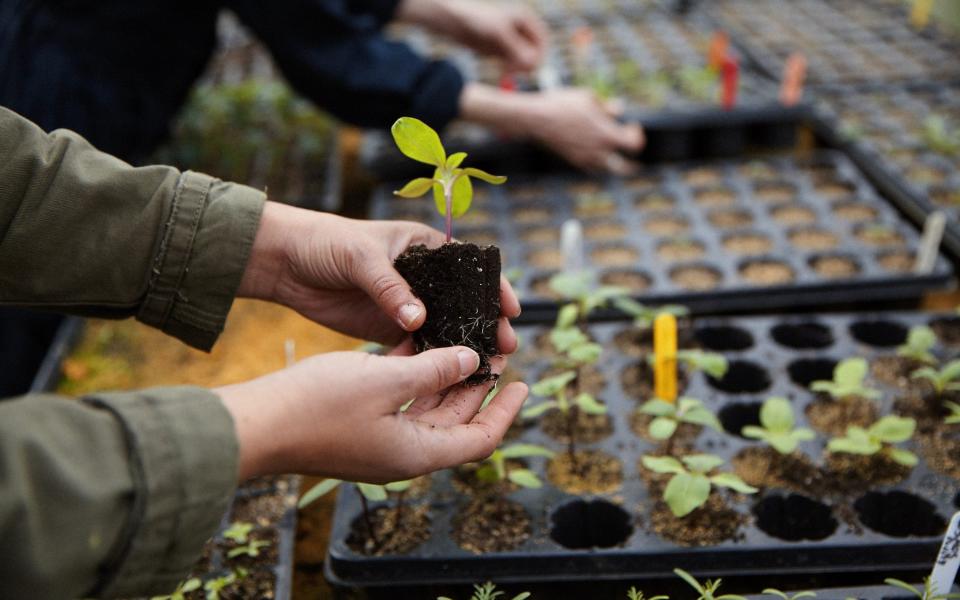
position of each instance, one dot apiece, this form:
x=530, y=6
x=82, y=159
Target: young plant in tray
x=635, y=594
x=667, y=417
x=879, y=439
x=496, y=469
x=777, y=427
x=787, y=596
x=707, y=589
x=953, y=414
x=458, y=283
x=488, y=591
x=848, y=381
x=927, y=593
x=690, y=486
x=944, y=379
x=369, y=492
x=185, y=587
x=920, y=341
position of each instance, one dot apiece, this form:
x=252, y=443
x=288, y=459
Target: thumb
x=391, y=293
x=431, y=371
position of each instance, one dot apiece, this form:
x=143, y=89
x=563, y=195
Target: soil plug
x=459, y=284
x=665, y=362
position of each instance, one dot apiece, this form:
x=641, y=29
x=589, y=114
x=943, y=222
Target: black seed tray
x=524, y=216
x=615, y=532
x=844, y=42
x=883, y=128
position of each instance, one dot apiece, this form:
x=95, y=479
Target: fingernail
x=409, y=313
x=469, y=361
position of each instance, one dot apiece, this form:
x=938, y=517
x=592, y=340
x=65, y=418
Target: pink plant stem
x=448, y=196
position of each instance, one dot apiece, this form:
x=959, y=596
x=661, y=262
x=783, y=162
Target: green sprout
x=700, y=83
x=786, y=596
x=707, y=589
x=368, y=492
x=643, y=316
x=920, y=341
x=848, y=378
x=635, y=594
x=488, y=591
x=238, y=531
x=879, y=438
x=495, y=468
x=954, y=417
x=713, y=364
x=555, y=388
x=252, y=549
x=940, y=136
x=213, y=587
x=452, y=189
x=943, y=379
x=689, y=488
x=929, y=591
x=190, y=585
x=777, y=427
x=667, y=416
x=585, y=298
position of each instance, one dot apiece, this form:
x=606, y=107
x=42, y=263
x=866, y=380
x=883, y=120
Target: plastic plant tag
x=665, y=351
x=920, y=13
x=719, y=44
x=729, y=75
x=571, y=245
x=794, y=73
x=930, y=242
x=948, y=559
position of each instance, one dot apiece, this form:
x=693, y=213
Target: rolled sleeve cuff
x=437, y=101
x=201, y=260
x=184, y=461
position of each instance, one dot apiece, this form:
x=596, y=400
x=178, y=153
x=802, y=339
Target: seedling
x=848, y=378
x=777, y=421
x=643, y=316
x=667, y=416
x=786, y=596
x=190, y=585
x=555, y=387
x=944, y=379
x=213, y=587
x=700, y=83
x=928, y=593
x=689, y=488
x=489, y=591
x=713, y=364
x=496, y=469
x=879, y=438
x=920, y=341
x=576, y=286
x=635, y=594
x=707, y=589
x=954, y=417
x=452, y=189
x=368, y=491
x=238, y=531
x=252, y=549
x=940, y=136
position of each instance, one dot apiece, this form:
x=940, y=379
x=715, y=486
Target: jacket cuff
x=184, y=461
x=437, y=99
x=201, y=259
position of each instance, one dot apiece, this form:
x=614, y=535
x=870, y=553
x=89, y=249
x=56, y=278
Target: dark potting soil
x=391, y=535
x=708, y=525
x=685, y=434
x=587, y=428
x=852, y=472
x=895, y=370
x=941, y=450
x=465, y=480
x=594, y=472
x=491, y=524
x=834, y=416
x=762, y=466
x=460, y=286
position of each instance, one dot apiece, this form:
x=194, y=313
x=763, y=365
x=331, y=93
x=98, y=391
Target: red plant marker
x=719, y=44
x=730, y=74
x=794, y=72
x=508, y=83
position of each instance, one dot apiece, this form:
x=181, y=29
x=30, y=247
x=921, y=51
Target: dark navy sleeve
x=334, y=52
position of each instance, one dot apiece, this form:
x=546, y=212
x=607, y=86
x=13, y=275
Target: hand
x=513, y=33
x=339, y=272
x=338, y=415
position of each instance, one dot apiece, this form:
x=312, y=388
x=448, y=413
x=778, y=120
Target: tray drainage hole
x=883, y=334
x=734, y=417
x=803, y=335
x=899, y=514
x=805, y=371
x=794, y=518
x=583, y=524
x=742, y=377
x=724, y=338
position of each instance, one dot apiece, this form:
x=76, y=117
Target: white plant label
x=948, y=560
x=571, y=245
x=930, y=242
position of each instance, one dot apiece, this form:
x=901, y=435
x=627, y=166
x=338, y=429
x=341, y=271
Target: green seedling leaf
x=848, y=378
x=461, y=195
x=690, y=580
x=570, y=285
x=487, y=474
x=455, y=159
x=565, y=339
x=524, y=478
x=373, y=493
x=418, y=141
x=538, y=409
x=567, y=316
x=398, y=486
x=525, y=450
x=238, y=531
x=662, y=464
x=662, y=428
x=954, y=417
x=892, y=429
x=920, y=341
x=321, y=489
x=776, y=414
x=252, y=549
x=588, y=353
x=484, y=176
x=658, y=408
x=729, y=480
x=415, y=188
x=701, y=463
x=903, y=457
x=589, y=404
x=550, y=386
x=686, y=492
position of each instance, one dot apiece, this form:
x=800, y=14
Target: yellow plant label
x=665, y=350
x=920, y=15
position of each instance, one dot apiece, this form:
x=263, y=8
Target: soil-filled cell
x=724, y=338
x=545, y=258
x=834, y=266
x=603, y=230
x=734, y=416
x=899, y=514
x=614, y=255
x=539, y=235
x=666, y=225
x=696, y=277
x=775, y=192
x=654, y=202
x=855, y=212
x=879, y=235
x=583, y=524
x=947, y=330
x=812, y=238
x=897, y=261
x=834, y=189
x=805, y=371
x=634, y=281
x=680, y=249
x=491, y=525
x=747, y=244
x=802, y=336
x=730, y=219
x=742, y=377
x=880, y=334
x=714, y=197
x=793, y=214
x=766, y=272
x=794, y=518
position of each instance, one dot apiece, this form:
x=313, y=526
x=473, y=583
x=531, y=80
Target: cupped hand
x=339, y=415
x=339, y=272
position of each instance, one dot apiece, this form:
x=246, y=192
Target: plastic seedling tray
x=720, y=235
x=883, y=127
x=613, y=535
x=844, y=42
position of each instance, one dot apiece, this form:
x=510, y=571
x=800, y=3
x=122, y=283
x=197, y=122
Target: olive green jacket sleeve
x=114, y=495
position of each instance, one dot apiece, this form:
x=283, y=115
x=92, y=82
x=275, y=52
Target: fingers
x=506, y=337
x=461, y=404
x=509, y=303
x=377, y=277
x=426, y=373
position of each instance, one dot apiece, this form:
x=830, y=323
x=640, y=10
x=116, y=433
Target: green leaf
x=686, y=492
x=903, y=585
x=753, y=432
x=521, y=596
x=904, y=457
x=701, y=415
x=418, y=141
x=662, y=428
x=524, y=478
x=487, y=474
x=631, y=307
x=398, y=486
x=571, y=285
x=484, y=176
x=567, y=316
x=373, y=493
x=589, y=404
x=321, y=489
x=564, y=339
x=462, y=196
x=662, y=464
x=549, y=386
x=893, y=429
x=455, y=160
x=191, y=585
x=658, y=408
x=776, y=414
x=415, y=188
x=784, y=443
x=851, y=371
x=538, y=409
x=525, y=450
x=853, y=446
x=701, y=463
x=588, y=353
x=729, y=480
x=689, y=579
